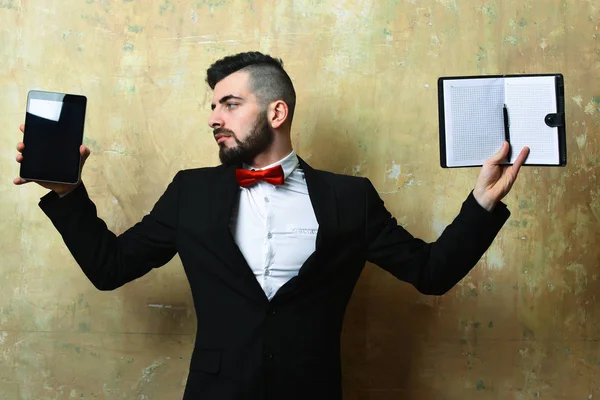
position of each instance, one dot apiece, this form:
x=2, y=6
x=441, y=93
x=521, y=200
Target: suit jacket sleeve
x=432, y=268
x=109, y=261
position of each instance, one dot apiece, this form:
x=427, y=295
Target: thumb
x=500, y=155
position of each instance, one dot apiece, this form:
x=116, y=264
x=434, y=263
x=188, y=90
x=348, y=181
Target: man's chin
x=229, y=156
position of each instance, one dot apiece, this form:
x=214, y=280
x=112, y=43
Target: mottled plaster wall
x=522, y=325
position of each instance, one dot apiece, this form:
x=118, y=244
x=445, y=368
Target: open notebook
x=477, y=114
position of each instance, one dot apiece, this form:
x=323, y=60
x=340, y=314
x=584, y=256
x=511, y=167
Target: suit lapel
x=323, y=200
x=224, y=199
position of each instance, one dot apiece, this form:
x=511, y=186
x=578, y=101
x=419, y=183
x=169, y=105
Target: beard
x=258, y=140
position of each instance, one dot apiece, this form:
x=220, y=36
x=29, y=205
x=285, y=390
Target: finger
x=500, y=156
x=520, y=160
x=20, y=147
x=19, y=158
x=22, y=128
x=20, y=181
x=84, y=151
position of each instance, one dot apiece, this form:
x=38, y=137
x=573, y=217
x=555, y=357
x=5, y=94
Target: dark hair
x=268, y=80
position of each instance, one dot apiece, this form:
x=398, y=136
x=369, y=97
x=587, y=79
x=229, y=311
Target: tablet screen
x=53, y=134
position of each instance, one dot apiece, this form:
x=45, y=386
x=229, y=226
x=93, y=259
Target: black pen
x=506, y=131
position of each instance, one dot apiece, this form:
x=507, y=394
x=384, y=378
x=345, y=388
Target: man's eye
x=231, y=106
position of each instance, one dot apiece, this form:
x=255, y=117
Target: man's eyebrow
x=225, y=99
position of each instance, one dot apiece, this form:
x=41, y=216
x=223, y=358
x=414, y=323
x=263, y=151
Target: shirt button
x=266, y=199
x=267, y=273
x=270, y=235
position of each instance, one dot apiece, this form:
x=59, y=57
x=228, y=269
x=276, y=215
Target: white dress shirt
x=275, y=226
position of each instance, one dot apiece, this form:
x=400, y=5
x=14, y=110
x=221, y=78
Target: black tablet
x=53, y=134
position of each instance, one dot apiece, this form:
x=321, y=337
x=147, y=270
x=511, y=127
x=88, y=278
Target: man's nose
x=215, y=121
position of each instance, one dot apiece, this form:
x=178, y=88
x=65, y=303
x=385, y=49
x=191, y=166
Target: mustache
x=223, y=131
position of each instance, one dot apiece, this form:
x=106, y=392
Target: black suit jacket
x=248, y=347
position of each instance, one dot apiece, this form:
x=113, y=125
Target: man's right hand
x=60, y=188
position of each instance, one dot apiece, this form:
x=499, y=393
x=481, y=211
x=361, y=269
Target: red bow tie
x=246, y=177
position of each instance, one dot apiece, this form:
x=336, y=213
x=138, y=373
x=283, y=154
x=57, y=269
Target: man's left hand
x=495, y=179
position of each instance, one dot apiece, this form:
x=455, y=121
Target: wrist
x=484, y=201
x=63, y=193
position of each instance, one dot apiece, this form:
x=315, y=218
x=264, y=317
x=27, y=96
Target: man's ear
x=277, y=113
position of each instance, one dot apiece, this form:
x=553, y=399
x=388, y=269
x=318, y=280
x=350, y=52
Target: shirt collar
x=289, y=163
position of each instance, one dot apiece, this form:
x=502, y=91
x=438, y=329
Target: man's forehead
x=234, y=84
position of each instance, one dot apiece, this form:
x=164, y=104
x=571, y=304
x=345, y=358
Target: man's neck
x=268, y=158
x=278, y=150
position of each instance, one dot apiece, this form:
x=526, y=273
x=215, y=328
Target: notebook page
x=473, y=119
x=529, y=100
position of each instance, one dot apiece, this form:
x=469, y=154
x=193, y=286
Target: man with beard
x=272, y=248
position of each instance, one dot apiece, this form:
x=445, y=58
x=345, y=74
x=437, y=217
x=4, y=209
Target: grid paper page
x=477, y=125
x=529, y=100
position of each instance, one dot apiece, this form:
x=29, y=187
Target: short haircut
x=267, y=79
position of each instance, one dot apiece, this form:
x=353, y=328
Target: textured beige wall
x=523, y=324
